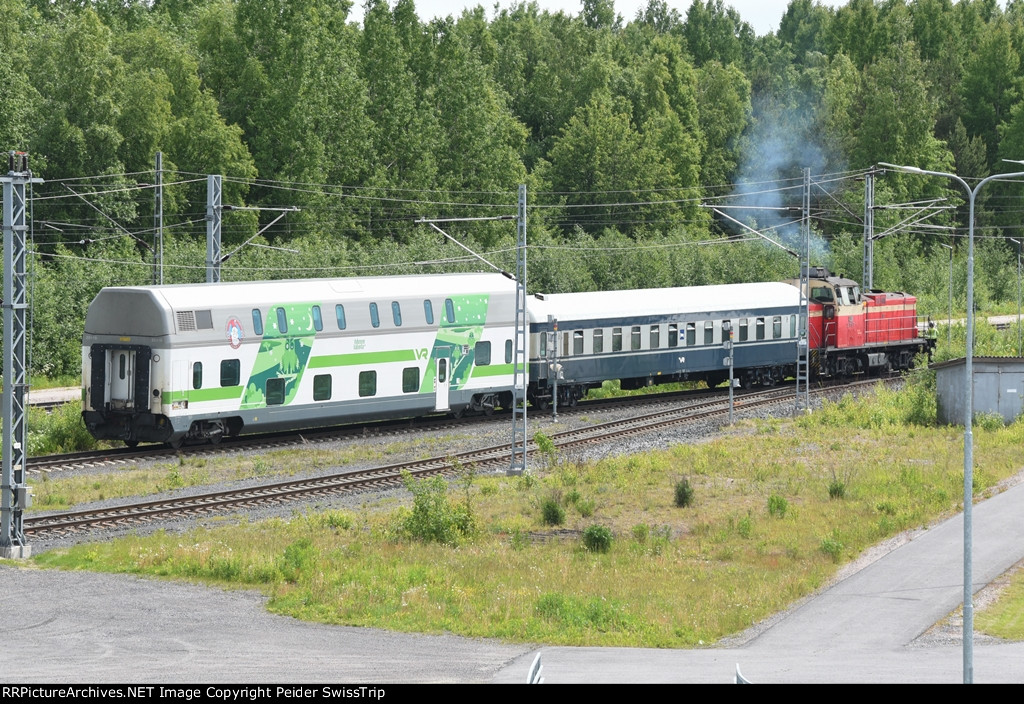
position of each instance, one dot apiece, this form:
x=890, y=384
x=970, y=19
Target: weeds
x=684, y=493
x=597, y=538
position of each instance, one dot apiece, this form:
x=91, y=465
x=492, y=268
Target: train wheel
x=176, y=444
x=131, y=443
x=541, y=404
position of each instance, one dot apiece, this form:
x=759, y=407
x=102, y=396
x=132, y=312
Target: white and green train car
x=204, y=361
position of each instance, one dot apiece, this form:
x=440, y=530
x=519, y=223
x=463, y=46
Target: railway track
x=65, y=523
x=121, y=456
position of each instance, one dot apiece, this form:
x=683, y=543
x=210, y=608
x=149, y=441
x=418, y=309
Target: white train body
x=168, y=363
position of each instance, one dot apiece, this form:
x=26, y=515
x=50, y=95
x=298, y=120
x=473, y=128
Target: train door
x=121, y=392
x=442, y=374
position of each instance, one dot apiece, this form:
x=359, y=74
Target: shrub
x=597, y=538
x=684, y=493
x=831, y=546
x=552, y=511
x=836, y=489
x=777, y=506
x=433, y=517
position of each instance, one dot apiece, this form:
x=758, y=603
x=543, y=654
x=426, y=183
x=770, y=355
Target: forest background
x=641, y=142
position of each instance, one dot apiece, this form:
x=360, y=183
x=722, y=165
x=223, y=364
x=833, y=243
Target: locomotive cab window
x=257, y=321
x=322, y=387
x=482, y=353
x=822, y=294
x=230, y=370
x=318, y=320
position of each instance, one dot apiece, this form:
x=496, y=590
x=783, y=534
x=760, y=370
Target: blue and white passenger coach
x=656, y=336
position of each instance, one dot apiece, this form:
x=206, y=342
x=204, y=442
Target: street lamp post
x=949, y=319
x=968, y=402
x=1017, y=242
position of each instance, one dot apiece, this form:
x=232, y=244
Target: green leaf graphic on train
x=456, y=339
x=287, y=341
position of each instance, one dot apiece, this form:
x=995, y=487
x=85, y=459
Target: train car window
x=339, y=313
x=634, y=337
x=777, y=327
x=673, y=335
x=121, y=367
x=482, y=353
x=508, y=351
x=744, y=330
x=275, y=391
x=204, y=320
x=428, y=311
x=410, y=380
x=792, y=326
x=368, y=383
x=396, y=313
x=577, y=342
x=616, y=339
x=709, y=332
x=374, y=315
x=322, y=387
x=282, y=321
x=449, y=310
x=598, y=341
x=691, y=334
x=759, y=328
x=655, y=337
x=257, y=321
x=197, y=375
x=318, y=319
x=230, y=372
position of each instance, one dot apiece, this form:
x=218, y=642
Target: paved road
x=82, y=627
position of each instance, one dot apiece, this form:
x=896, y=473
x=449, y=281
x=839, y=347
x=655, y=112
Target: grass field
x=777, y=506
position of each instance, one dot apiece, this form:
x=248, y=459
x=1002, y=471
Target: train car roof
x=264, y=293
x=149, y=310
x=724, y=298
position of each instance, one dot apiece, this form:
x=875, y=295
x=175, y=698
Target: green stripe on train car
x=361, y=358
x=223, y=393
